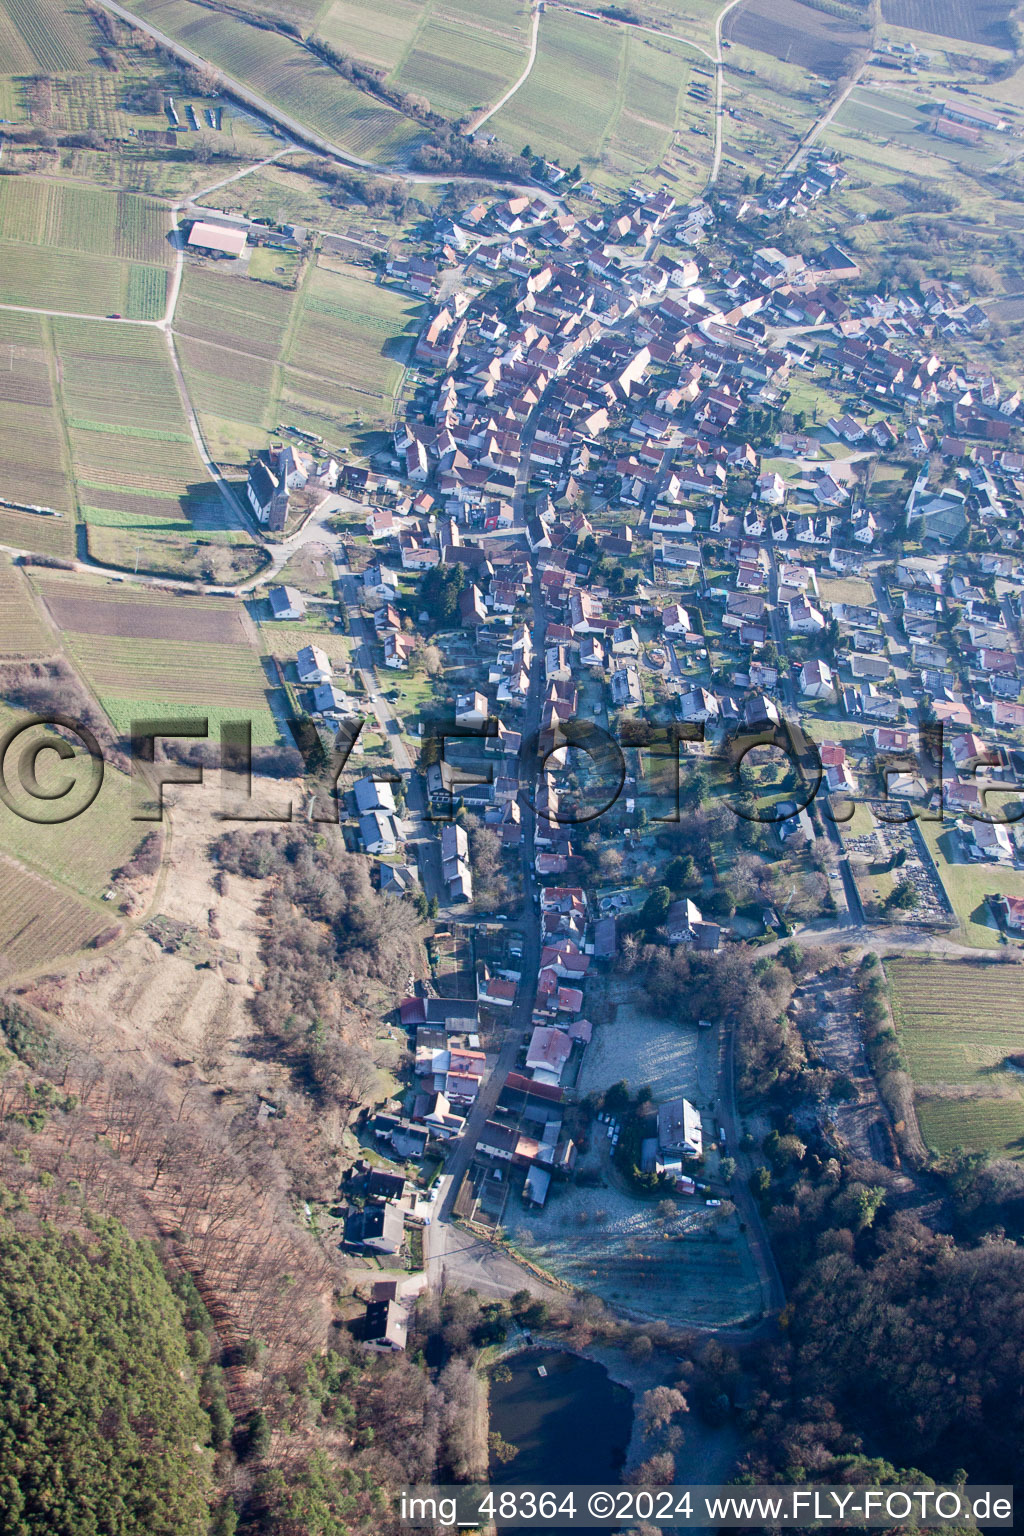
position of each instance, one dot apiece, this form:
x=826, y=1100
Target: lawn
x=846, y=589
x=280, y=268
x=958, y=1022
x=311, y=570
x=968, y=884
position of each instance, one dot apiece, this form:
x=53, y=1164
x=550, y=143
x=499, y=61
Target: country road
x=522, y=78
x=716, y=163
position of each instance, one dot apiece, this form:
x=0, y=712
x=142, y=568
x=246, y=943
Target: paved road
x=529, y=920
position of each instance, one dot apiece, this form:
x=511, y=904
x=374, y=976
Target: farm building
x=975, y=117
x=213, y=240
x=961, y=133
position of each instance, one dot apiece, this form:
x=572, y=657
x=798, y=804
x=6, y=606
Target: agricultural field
x=797, y=33
x=464, y=56
x=291, y=77
x=132, y=450
x=230, y=333
x=23, y=630
x=40, y=278
x=146, y=654
x=82, y=248
x=567, y=106
x=380, y=35
x=971, y=21
x=958, y=1022
x=39, y=535
x=39, y=922
x=44, y=37
x=38, y=211
x=32, y=464
x=652, y=99
x=82, y=851
x=349, y=327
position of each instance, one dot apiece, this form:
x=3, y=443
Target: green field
x=90, y=220
x=40, y=278
x=32, y=464
x=329, y=357
x=379, y=34
x=44, y=37
x=84, y=249
x=230, y=332
x=79, y=853
x=40, y=922
x=958, y=1022
x=898, y=120
x=567, y=106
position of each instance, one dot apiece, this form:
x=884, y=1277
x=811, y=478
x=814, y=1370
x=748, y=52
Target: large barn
x=215, y=240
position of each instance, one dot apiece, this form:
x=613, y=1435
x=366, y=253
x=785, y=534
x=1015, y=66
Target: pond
x=571, y=1425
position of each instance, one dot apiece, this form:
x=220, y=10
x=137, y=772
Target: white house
x=816, y=681
x=471, y=709
x=378, y=832
x=625, y=641
x=803, y=617
x=313, y=665
x=680, y=1133
x=675, y=620
x=771, y=488
x=286, y=603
